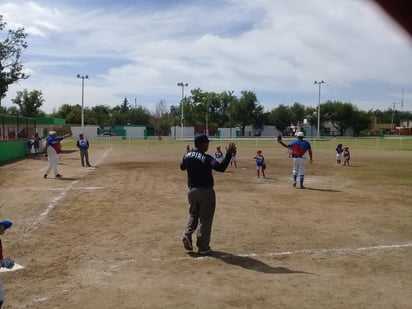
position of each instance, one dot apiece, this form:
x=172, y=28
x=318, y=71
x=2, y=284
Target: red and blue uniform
x=299, y=149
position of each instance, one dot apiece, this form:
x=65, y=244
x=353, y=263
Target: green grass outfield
x=401, y=143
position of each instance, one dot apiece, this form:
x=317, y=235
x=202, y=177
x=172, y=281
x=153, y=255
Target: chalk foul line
x=311, y=251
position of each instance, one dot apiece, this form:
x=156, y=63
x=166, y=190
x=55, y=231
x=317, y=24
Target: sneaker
x=187, y=243
x=45, y=176
x=294, y=184
x=302, y=187
x=205, y=252
x=59, y=176
x=88, y=165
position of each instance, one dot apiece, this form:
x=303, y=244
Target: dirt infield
x=110, y=237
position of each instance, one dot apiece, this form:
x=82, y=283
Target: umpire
x=201, y=195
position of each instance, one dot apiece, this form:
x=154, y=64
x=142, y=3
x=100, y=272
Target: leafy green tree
x=281, y=117
x=13, y=110
x=247, y=110
x=338, y=114
x=164, y=126
x=139, y=115
x=29, y=102
x=298, y=112
x=361, y=121
x=11, y=65
x=98, y=115
x=224, y=112
x=311, y=114
x=72, y=113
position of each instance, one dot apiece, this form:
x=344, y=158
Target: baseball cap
x=52, y=132
x=6, y=223
x=300, y=134
x=200, y=139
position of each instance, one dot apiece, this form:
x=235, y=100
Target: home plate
x=14, y=268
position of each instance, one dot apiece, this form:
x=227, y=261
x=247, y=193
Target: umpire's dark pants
x=202, y=204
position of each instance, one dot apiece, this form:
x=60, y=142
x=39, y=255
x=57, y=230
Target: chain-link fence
x=16, y=128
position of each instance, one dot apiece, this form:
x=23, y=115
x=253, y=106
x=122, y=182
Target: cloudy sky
x=142, y=49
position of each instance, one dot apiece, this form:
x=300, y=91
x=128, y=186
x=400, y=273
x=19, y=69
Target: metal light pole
x=183, y=85
x=207, y=118
x=83, y=77
x=393, y=114
x=319, y=83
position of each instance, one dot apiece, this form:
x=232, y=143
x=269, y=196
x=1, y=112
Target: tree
x=139, y=115
x=29, y=102
x=72, y=113
x=361, y=121
x=98, y=115
x=281, y=117
x=227, y=100
x=11, y=65
x=247, y=110
x=298, y=113
x=339, y=114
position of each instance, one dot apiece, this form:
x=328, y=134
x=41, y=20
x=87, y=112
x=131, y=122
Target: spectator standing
x=37, y=143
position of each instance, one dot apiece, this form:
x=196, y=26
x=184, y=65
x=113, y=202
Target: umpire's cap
x=200, y=139
x=6, y=224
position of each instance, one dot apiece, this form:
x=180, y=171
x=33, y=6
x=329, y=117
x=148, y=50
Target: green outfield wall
x=12, y=150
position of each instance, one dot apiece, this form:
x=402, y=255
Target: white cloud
x=275, y=48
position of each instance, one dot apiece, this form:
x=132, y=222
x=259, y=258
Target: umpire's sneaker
x=187, y=243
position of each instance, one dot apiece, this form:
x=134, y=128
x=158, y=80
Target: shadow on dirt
x=323, y=190
x=249, y=263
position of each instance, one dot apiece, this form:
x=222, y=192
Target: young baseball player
x=339, y=153
x=233, y=159
x=260, y=163
x=218, y=154
x=346, y=156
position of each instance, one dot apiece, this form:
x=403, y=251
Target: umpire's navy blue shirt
x=199, y=166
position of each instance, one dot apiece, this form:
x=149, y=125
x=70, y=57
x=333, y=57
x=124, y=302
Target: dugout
x=16, y=130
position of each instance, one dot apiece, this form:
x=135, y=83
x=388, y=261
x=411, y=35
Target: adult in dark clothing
x=201, y=195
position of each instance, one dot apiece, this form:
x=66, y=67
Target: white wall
x=228, y=132
x=186, y=133
x=89, y=132
x=135, y=132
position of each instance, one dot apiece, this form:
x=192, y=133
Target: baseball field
x=110, y=236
